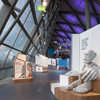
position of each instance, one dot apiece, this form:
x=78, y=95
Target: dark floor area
x=38, y=89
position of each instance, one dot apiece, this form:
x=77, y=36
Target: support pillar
x=87, y=14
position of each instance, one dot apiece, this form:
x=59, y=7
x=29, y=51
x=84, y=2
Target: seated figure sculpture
x=89, y=72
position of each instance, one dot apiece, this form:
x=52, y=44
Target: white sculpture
x=89, y=72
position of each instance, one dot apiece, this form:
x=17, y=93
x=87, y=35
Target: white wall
x=75, y=52
x=89, y=40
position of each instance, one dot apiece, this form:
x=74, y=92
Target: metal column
x=87, y=14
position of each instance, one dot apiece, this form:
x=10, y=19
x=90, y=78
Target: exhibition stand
x=22, y=68
x=81, y=43
x=41, y=63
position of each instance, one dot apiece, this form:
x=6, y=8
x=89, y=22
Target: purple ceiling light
x=65, y=46
x=97, y=8
x=69, y=34
x=93, y=21
x=78, y=29
x=71, y=18
x=68, y=40
x=65, y=27
x=79, y=5
x=83, y=19
x=62, y=33
x=60, y=39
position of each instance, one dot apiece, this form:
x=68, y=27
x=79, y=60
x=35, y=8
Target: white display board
x=84, y=46
x=75, y=52
x=19, y=69
x=89, y=40
x=53, y=62
x=41, y=60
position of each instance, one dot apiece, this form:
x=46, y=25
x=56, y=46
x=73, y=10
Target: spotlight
x=44, y=3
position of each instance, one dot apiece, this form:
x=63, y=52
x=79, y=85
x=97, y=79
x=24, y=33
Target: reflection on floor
x=38, y=89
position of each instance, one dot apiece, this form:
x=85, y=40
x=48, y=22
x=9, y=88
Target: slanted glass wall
x=21, y=34
x=17, y=40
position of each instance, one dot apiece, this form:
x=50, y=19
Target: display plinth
x=96, y=85
x=62, y=94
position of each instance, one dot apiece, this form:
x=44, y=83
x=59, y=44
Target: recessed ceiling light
x=44, y=3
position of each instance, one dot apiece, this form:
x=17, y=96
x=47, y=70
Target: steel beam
x=37, y=28
x=68, y=23
x=5, y=13
x=15, y=21
x=78, y=13
x=12, y=48
x=64, y=32
x=33, y=12
x=59, y=22
x=73, y=11
x=87, y=14
x=24, y=30
x=94, y=11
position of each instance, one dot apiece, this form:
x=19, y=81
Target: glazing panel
x=21, y=40
x=29, y=24
x=20, y=4
x=3, y=53
x=12, y=35
x=8, y=25
x=25, y=14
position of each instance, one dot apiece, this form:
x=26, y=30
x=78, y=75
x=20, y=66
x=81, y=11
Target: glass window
x=35, y=53
x=35, y=37
x=29, y=24
x=11, y=58
x=30, y=52
x=25, y=14
x=21, y=40
x=1, y=4
x=3, y=53
x=8, y=25
x=38, y=13
x=20, y=4
x=12, y=35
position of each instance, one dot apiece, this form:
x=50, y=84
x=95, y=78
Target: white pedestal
x=64, y=80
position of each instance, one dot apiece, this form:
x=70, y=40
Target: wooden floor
x=38, y=89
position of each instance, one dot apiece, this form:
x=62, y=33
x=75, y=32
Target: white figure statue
x=89, y=72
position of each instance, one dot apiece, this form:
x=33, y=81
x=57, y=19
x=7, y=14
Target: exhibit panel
x=84, y=47
x=41, y=60
x=19, y=69
x=22, y=68
x=81, y=43
x=89, y=40
x=28, y=69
